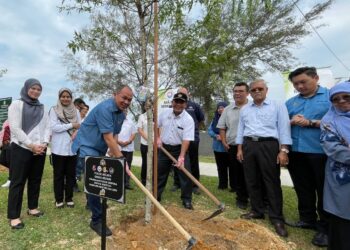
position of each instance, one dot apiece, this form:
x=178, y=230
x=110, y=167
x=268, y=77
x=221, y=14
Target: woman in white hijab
x=30, y=134
x=64, y=121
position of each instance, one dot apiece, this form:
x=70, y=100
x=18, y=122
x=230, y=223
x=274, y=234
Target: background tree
x=239, y=40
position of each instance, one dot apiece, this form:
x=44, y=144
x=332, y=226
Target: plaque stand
x=104, y=221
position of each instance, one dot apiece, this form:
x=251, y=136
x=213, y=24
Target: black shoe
x=252, y=215
x=98, y=229
x=196, y=191
x=187, y=205
x=38, y=214
x=280, y=229
x=301, y=224
x=320, y=239
x=18, y=226
x=128, y=187
x=241, y=205
x=174, y=188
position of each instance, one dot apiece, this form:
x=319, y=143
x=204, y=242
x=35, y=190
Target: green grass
x=68, y=228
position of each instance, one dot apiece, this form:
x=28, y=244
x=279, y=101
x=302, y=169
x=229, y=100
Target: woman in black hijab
x=30, y=134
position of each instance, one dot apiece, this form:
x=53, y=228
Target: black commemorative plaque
x=104, y=177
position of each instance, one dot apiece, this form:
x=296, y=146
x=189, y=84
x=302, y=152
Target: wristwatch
x=285, y=150
x=312, y=123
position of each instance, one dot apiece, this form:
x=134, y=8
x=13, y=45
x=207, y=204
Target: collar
x=235, y=106
x=265, y=102
x=178, y=116
x=321, y=90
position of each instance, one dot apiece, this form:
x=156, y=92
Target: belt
x=258, y=139
x=171, y=146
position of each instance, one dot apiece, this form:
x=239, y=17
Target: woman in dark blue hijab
x=221, y=155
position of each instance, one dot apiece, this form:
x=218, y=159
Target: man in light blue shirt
x=96, y=135
x=263, y=137
x=307, y=158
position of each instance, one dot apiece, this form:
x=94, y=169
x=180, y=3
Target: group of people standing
x=251, y=140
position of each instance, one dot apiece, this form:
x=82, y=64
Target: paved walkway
x=209, y=169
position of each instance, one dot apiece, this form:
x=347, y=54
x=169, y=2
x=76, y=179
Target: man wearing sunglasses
x=263, y=138
x=176, y=132
x=307, y=159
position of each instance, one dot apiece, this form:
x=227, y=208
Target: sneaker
x=59, y=205
x=70, y=204
x=6, y=184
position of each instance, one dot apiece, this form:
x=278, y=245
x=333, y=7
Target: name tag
x=180, y=128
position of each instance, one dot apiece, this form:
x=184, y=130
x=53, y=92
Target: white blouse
x=61, y=142
x=40, y=133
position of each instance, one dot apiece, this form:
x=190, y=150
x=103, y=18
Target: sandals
x=20, y=225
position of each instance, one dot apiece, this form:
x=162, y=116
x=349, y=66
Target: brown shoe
x=280, y=229
x=252, y=215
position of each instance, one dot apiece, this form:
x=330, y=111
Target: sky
x=33, y=35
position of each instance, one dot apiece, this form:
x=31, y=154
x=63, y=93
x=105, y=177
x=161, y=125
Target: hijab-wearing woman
x=335, y=140
x=30, y=134
x=221, y=155
x=64, y=121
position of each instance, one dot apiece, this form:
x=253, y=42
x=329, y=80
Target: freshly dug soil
x=218, y=233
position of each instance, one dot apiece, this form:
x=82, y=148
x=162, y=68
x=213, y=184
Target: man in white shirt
x=125, y=140
x=177, y=130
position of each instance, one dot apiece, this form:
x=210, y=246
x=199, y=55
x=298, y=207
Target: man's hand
x=299, y=120
x=282, y=159
x=239, y=153
x=226, y=146
x=180, y=162
x=159, y=142
x=218, y=137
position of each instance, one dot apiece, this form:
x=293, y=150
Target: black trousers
x=63, y=177
x=164, y=166
x=25, y=166
x=193, y=155
x=308, y=172
x=5, y=158
x=144, y=150
x=222, y=163
x=236, y=173
x=260, y=170
x=128, y=157
x=339, y=232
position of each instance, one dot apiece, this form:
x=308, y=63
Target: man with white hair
x=263, y=139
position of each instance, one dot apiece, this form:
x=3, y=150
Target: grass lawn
x=68, y=228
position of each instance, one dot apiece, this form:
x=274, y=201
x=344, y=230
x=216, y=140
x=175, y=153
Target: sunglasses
x=257, y=90
x=339, y=98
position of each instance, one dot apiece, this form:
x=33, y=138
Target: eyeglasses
x=339, y=98
x=257, y=90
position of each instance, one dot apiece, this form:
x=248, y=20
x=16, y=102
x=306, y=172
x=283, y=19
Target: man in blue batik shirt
x=307, y=159
x=96, y=135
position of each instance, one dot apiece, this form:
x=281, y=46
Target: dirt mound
x=218, y=233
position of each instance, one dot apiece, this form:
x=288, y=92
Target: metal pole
x=155, y=103
x=103, y=235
